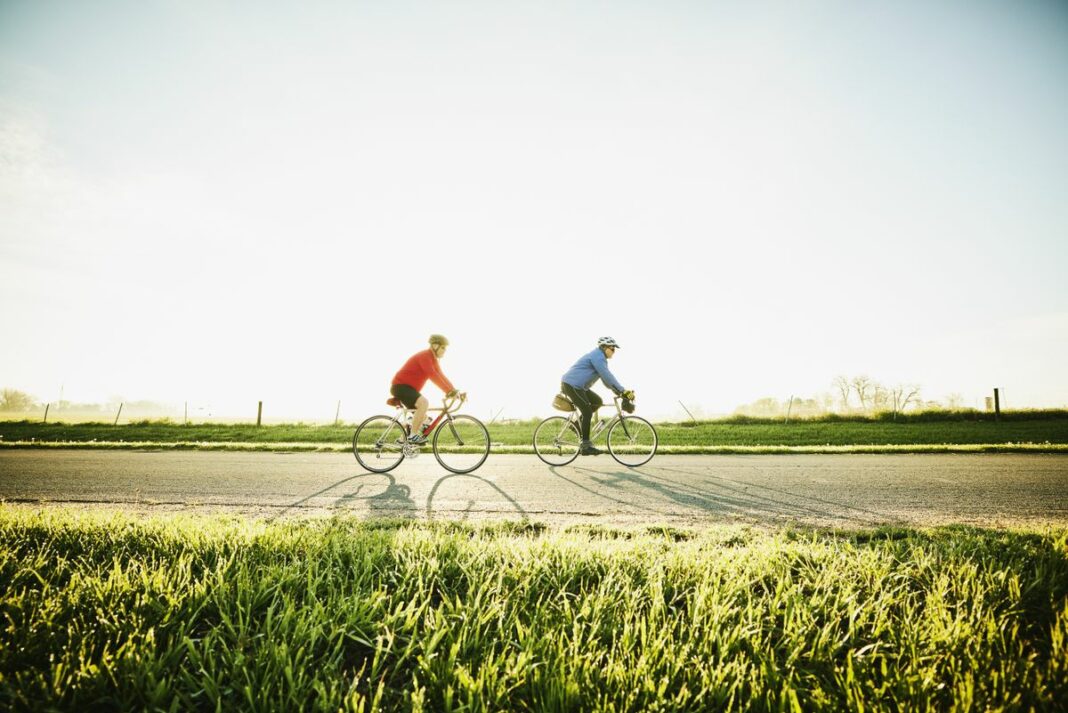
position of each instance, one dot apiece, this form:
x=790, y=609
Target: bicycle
x=632, y=440
x=460, y=443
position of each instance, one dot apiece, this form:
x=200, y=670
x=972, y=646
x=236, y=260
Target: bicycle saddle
x=393, y=401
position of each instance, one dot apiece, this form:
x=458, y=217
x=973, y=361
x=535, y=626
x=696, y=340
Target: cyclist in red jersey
x=413, y=376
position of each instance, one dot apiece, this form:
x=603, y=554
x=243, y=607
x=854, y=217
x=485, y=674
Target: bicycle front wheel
x=378, y=443
x=461, y=444
x=557, y=440
x=632, y=441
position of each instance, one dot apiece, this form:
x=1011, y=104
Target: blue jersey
x=588, y=369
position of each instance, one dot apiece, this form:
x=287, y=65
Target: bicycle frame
x=603, y=425
x=461, y=448
x=447, y=408
x=631, y=440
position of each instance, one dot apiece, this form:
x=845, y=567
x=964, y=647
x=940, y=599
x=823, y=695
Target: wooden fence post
x=688, y=412
x=46, y=413
x=118, y=414
x=259, y=415
x=997, y=405
x=337, y=414
x=789, y=408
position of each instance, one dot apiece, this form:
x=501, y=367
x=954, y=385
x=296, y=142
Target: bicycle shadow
x=732, y=498
x=841, y=510
x=395, y=501
x=468, y=509
x=554, y=469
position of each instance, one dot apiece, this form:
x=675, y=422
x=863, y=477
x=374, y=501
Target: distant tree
x=863, y=386
x=808, y=407
x=954, y=402
x=880, y=397
x=765, y=407
x=903, y=395
x=842, y=385
x=12, y=400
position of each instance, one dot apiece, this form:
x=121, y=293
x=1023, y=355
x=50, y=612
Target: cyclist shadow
x=730, y=497
x=468, y=509
x=774, y=500
x=394, y=502
x=630, y=503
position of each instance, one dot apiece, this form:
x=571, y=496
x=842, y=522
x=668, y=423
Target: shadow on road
x=555, y=470
x=737, y=487
x=394, y=501
x=724, y=497
x=470, y=503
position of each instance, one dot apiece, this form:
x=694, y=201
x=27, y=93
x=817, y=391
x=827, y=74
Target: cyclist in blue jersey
x=576, y=384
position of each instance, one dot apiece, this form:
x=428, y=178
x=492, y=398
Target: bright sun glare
x=220, y=204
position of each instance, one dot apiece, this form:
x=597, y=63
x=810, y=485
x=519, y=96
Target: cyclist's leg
x=421, y=407
x=412, y=399
x=585, y=404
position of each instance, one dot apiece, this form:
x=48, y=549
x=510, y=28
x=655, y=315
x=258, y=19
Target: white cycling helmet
x=607, y=342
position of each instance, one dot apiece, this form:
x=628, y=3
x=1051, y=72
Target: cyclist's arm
x=438, y=377
x=600, y=363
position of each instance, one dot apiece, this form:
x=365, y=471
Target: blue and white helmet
x=607, y=342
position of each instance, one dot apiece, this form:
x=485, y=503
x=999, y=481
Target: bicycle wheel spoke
x=377, y=444
x=556, y=440
x=632, y=441
x=461, y=444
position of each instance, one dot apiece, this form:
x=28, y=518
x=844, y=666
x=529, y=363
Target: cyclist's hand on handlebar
x=452, y=394
x=628, y=395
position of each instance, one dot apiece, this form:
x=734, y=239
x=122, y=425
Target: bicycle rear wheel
x=557, y=440
x=378, y=443
x=632, y=441
x=461, y=444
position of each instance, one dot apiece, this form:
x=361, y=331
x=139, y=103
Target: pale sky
x=222, y=202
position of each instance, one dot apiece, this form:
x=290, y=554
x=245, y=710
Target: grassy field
x=102, y=612
x=727, y=433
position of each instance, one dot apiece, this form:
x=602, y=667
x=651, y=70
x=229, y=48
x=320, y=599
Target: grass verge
x=195, y=613
x=1049, y=434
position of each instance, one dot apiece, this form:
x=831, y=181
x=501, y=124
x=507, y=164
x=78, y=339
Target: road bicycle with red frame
x=460, y=442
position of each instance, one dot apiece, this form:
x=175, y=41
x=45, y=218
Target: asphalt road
x=839, y=490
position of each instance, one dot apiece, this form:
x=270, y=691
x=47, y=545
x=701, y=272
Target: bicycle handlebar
x=448, y=403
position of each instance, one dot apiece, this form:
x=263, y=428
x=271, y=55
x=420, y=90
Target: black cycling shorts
x=407, y=395
x=586, y=400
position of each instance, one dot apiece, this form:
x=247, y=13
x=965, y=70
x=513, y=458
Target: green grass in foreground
x=708, y=434
x=183, y=613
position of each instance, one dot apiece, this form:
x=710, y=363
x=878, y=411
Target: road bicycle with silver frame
x=631, y=440
x=460, y=442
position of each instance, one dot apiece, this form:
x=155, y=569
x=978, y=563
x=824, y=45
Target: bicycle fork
x=455, y=433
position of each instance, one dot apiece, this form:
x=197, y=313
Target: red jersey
x=418, y=369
